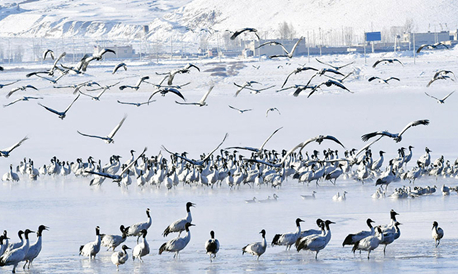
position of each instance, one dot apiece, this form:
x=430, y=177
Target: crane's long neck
x=26, y=244
x=150, y=220
x=393, y=220
x=98, y=240
x=38, y=242
x=328, y=232
x=187, y=236
x=188, y=215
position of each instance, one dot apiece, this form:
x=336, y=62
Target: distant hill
x=190, y=19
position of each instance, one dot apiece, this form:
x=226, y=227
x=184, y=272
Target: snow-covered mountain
x=125, y=19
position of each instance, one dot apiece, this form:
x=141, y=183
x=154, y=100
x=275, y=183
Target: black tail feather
x=355, y=247
x=348, y=240
x=367, y=136
x=162, y=248
x=166, y=232
x=275, y=239
x=300, y=244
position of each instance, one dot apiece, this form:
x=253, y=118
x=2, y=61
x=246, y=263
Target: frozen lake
x=72, y=209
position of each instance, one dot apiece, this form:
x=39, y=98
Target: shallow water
x=72, y=210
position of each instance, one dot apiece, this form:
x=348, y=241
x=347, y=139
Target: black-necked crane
x=257, y=248
x=241, y=111
x=383, y=80
x=351, y=239
x=61, y=114
x=141, y=249
x=177, y=244
x=120, y=257
x=14, y=256
x=6, y=151
x=440, y=101
x=438, y=233
x=240, y=31
x=92, y=248
x=34, y=249
x=396, y=136
x=386, y=61
x=212, y=246
x=370, y=242
x=202, y=101
x=18, y=89
x=180, y=224
x=288, y=239
x=137, y=228
x=109, y=138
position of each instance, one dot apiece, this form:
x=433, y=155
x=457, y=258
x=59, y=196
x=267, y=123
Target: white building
x=122, y=52
x=426, y=38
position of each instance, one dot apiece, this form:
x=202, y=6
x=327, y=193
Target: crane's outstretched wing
x=15, y=145
x=291, y=53
x=206, y=95
x=373, y=78
x=69, y=106
x=50, y=109
x=92, y=136
x=443, y=99
x=113, y=132
x=208, y=156
x=367, y=146
x=413, y=124
x=432, y=96
x=265, y=142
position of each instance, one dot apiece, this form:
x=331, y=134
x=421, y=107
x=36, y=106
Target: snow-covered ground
x=124, y=19
x=72, y=209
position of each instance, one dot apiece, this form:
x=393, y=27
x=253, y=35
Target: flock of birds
x=235, y=169
x=256, y=168
x=313, y=240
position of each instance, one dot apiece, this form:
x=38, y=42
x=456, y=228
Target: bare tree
x=409, y=26
x=286, y=30
x=348, y=36
x=18, y=53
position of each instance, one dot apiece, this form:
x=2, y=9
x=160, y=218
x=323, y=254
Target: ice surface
x=72, y=209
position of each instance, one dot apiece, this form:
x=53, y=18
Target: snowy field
x=72, y=209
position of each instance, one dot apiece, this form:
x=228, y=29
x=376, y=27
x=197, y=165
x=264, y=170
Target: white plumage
x=390, y=227
x=391, y=235
x=179, y=225
x=91, y=249
x=3, y=243
x=35, y=249
x=258, y=248
x=136, y=229
x=12, y=246
x=13, y=257
x=316, y=243
x=353, y=238
x=120, y=257
x=141, y=249
x=369, y=243
x=290, y=238
x=10, y=175
x=438, y=233
x=112, y=241
x=177, y=244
